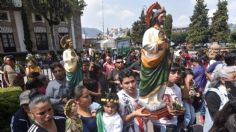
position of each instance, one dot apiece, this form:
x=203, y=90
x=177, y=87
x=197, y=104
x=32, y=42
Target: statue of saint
x=71, y=61
x=156, y=60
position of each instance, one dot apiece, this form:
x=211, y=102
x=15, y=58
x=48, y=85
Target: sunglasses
x=119, y=62
x=44, y=112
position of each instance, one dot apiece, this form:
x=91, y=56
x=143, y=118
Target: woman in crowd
x=32, y=67
x=42, y=115
x=82, y=100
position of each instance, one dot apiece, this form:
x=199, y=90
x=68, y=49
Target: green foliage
x=198, y=31
x=233, y=37
x=168, y=26
x=219, y=28
x=9, y=103
x=54, y=11
x=128, y=33
x=123, y=38
x=178, y=37
x=138, y=29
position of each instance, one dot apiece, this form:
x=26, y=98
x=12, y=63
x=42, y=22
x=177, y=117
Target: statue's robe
x=155, y=66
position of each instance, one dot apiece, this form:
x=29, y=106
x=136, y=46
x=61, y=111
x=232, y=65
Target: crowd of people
x=102, y=93
x=107, y=97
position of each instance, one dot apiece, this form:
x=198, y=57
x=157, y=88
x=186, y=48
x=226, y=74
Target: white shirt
x=127, y=105
x=113, y=122
x=175, y=93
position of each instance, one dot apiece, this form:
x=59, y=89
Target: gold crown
x=109, y=100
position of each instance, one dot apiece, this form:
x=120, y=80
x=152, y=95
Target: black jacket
x=20, y=121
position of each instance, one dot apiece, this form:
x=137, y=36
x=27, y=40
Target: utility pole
x=102, y=19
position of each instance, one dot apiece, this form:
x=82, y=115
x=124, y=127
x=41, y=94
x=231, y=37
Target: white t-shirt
x=127, y=105
x=113, y=123
x=175, y=93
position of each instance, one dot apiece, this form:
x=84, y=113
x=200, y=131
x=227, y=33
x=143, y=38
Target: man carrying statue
x=155, y=93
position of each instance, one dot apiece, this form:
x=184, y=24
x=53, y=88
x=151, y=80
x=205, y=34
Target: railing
x=45, y=71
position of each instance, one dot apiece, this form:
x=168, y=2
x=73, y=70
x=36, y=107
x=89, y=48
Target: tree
x=219, y=28
x=198, y=31
x=138, y=29
x=168, y=26
x=233, y=37
x=56, y=10
x=178, y=37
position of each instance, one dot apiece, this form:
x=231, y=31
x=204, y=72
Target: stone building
x=12, y=36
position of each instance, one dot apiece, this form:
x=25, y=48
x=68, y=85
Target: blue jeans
x=189, y=115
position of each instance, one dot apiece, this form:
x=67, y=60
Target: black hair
x=56, y=64
x=218, y=57
x=224, y=116
x=125, y=73
x=230, y=59
x=78, y=91
x=119, y=57
x=187, y=71
x=175, y=67
x=85, y=60
x=231, y=123
x=196, y=59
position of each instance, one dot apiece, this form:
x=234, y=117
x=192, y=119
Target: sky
x=123, y=13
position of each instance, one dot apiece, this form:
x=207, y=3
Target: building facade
x=12, y=36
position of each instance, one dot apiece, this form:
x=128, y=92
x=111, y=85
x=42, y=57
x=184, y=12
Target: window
x=41, y=41
x=38, y=18
x=4, y=16
x=8, y=42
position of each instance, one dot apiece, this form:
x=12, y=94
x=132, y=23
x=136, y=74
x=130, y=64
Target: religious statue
x=156, y=61
x=73, y=121
x=71, y=61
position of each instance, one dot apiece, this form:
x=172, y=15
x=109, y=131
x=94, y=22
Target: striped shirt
x=60, y=123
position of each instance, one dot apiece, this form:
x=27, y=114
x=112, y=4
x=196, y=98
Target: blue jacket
x=20, y=121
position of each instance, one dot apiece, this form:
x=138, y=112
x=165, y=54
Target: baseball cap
x=24, y=97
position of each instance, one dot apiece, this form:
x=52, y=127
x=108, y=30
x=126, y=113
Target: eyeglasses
x=44, y=112
x=119, y=62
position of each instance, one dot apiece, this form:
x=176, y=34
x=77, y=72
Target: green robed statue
x=71, y=61
x=155, y=61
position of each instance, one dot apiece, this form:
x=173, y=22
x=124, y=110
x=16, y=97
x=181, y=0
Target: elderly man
x=216, y=96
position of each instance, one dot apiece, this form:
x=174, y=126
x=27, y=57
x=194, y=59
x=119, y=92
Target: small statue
x=72, y=63
x=73, y=122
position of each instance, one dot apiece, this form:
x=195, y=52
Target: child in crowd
x=108, y=119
